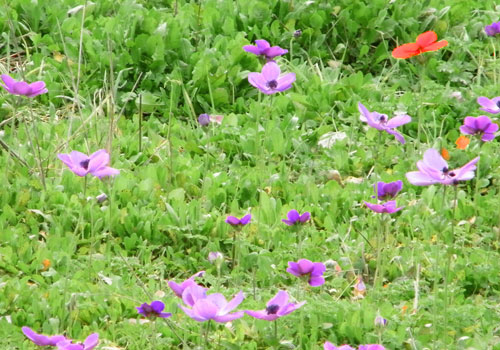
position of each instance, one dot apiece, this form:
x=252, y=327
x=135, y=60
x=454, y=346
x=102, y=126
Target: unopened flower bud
x=102, y=197
x=380, y=321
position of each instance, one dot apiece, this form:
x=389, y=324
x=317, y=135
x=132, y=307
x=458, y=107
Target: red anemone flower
x=425, y=42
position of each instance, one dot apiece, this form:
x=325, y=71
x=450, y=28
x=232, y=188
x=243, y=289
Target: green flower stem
x=36, y=152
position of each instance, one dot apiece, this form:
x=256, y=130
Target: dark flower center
x=498, y=103
x=273, y=84
x=447, y=172
x=272, y=309
x=85, y=164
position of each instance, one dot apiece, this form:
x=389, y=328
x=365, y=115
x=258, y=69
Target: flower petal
x=246, y=219
x=229, y=317
x=105, y=172
x=293, y=215
x=252, y=49
x=433, y=160
x=157, y=306
x=262, y=44
x=280, y=299
x=435, y=46
x=271, y=71
x=316, y=281
x=396, y=134
x=99, y=159
x=91, y=341
x=217, y=299
x=318, y=269
x=305, y=217
x=8, y=81
x=262, y=315
x=293, y=268
x=66, y=159
x=305, y=266
x=427, y=38
x=233, y=304
x=205, y=309
x=232, y=220
x=257, y=80
x=275, y=51
x=192, y=294
x=21, y=88
x=398, y=121
x=406, y=51
x=285, y=82
x=192, y=314
x=466, y=172
x=486, y=102
x=176, y=288
x=378, y=208
x=289, y=308
x=418, y=178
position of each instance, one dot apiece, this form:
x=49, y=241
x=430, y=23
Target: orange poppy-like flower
x=445, y=154
x=462, y=142
x=425, y=42
x=46, y=264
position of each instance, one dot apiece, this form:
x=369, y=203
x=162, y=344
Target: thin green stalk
x=140, y=123
x=233, y=252
x=153, y=334
x=254, y=284
x=92, y=238
x=476, y=188
x=448, y=261
x=378, y=276
x=170, y=155
x=210, y=92
x=276, y=329
x=420, y=115
x=207, y=330
x=37, y=155
x=300, y=239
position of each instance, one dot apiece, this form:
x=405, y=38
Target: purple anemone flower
x=293, y=217
x=95, y=164
x=202, y=307
x=433, y=169
x=305, y=267
x=371, y=347
x=387, y=207
x=482, y=126
x=204, y=119
x=387, y=190
x=381, y=121
x=263, y=48
x=330, y=346
x=153, y=310
x=276, y=307
x=234, y=221
x=89, y=343
x=22, y=88
x=492, y=29
x=490, y=106
x=269, y=81
x=178, y=289
x=40, y=339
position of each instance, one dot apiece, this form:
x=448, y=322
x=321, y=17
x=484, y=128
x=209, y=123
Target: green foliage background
x=167, y=207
